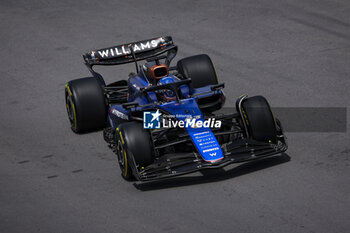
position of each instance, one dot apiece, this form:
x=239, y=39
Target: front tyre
x=133, y=148
x=122, y=156
x=259, y=119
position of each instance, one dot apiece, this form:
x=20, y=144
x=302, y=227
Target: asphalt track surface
x=296, y=53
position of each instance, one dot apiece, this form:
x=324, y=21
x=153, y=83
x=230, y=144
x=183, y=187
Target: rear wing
x=132, y=52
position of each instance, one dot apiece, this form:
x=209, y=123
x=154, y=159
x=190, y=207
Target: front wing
x=242, y=150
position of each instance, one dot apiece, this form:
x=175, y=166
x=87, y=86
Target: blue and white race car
x=162, y=121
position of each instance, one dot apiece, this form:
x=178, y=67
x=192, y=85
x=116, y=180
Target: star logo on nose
x=156, y=115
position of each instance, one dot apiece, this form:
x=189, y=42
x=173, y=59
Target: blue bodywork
x=203, y=138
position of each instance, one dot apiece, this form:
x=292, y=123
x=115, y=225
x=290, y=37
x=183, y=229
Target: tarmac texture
x=295, y=53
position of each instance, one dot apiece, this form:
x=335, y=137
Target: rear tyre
x=199, y=69
x=259, y=119
x=85, y=104
x=133, y=143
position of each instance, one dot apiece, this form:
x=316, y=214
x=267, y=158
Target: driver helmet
x=166, y=94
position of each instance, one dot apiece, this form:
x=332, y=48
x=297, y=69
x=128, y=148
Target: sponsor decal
x=120, y=114
x=154, y=120
x=207, y=144
x=122, y=50
x=136, y=87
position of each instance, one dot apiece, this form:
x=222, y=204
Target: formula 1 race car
x=162, y=121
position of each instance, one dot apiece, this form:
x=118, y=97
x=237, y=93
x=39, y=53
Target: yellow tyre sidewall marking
x=217, y=79
x=74, y=113
x=125, y=163
x=121, y=137
x=125, y=156
x=245, y=117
